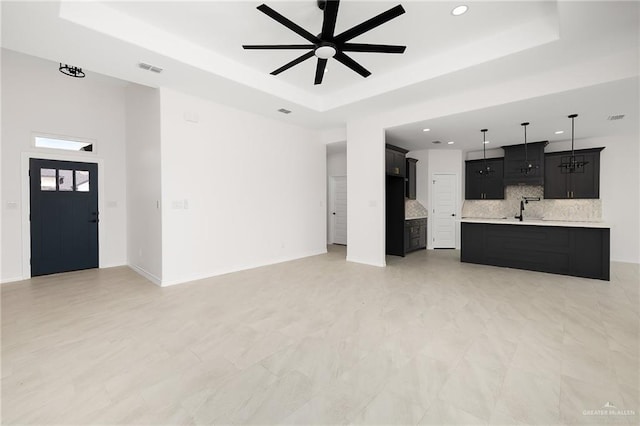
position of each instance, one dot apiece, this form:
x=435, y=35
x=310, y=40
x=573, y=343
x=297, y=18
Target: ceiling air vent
x=284, y=111
x=436, y=142
x=615, y=117
x=149, y=67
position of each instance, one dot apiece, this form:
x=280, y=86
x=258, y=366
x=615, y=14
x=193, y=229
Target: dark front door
x=64, y=216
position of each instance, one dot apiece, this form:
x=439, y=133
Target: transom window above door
x=51, y=142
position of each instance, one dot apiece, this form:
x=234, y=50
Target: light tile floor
x=427, y=340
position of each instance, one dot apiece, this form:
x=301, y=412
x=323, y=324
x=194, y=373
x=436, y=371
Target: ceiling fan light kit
x=327, y=45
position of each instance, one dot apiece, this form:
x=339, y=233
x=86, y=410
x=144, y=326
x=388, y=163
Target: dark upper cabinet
x=411, y=178
x=559, y=183
x=395, y=161
x=484, y=186
x=514, y=163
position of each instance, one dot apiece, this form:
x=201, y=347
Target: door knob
x=334, y=213
x=453, y=214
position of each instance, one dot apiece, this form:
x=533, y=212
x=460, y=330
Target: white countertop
x=537, y=222
x=415, y=217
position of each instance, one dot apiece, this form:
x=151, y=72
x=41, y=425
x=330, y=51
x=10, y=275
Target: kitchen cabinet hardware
x=514, y=158
x=484, y=186
x=584, y=183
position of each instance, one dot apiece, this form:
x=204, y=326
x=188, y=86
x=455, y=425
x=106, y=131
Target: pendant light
x=528, y=166
x=573, y=164
x=71, y=70
x=486, y=170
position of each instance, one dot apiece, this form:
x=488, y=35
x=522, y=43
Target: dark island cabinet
x=514, y=163
x=484, y=186
x=577, y=251
x=395, y=161
x=411, y=178
x=415, y=234
x=584, y=182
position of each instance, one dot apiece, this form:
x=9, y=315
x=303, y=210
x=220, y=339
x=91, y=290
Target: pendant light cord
x=572, y=132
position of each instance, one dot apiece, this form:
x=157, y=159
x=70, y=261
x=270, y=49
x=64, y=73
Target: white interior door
x=339, y=213
x=444, y=210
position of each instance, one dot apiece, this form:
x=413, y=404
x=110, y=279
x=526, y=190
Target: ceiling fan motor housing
x=327, y=44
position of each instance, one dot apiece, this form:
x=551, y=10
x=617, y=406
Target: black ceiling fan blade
x=370, y=24
x=277, y=46
x=344, y=59
x=288, y=23
x=330, y=17
x=322, y=63
x=375, y=48
x=292, y=63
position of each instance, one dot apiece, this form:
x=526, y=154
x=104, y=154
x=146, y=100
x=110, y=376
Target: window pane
x=42, y=142
x=47, y=179
x=65, y=180
x=82, y=180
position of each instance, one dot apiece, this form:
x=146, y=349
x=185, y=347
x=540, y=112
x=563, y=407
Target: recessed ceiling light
x=459, y=10
x=426, y=130
x=486, y=142
x=559, y=132
x=450, y=143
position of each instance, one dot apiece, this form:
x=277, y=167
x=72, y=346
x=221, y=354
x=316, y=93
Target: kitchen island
x=580, y=249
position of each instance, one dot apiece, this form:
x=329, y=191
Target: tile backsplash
x=413, y=209
x=567, y=210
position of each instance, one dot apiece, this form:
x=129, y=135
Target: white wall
x=144, y=218
x=239, y=190
x=619, y=183
x=36, y=97
x=336, y=166
x=365, y=193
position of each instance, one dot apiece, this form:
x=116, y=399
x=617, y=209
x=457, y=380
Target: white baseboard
x=148, y=275
x=167, y=283
x=379, y=265
x=12, y=280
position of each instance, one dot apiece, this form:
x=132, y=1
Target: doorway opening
x=63, y=216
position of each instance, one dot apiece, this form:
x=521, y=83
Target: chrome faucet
x=520, y=216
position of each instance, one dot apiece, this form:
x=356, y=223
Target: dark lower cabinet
x=415, y=234
x=581, y=252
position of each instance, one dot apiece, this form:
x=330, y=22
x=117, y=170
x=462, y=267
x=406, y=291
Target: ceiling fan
x=328, y=45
